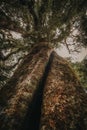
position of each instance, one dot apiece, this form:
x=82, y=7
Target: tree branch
x=67, y=46
x=7, y=23
x=31, y=8
x=8, y=68
x=3, y=58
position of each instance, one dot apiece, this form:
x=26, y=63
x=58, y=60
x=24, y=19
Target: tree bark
x=43, y=94
x=64, y=105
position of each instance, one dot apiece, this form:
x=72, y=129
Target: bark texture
x=43, y=94
x=64, y=101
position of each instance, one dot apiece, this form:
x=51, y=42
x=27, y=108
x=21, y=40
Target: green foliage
x=81, y=70
x=37, y=21
x=41, y=19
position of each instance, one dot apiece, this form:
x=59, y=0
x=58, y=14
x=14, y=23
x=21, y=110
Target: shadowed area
x=32, y=120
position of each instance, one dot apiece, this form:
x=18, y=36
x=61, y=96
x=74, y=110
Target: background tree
x=81, y=70
x=54, y=21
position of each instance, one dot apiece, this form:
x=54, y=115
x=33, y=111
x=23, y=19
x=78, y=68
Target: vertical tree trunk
x=43, y=94
x=64, y=101
x=17, y=96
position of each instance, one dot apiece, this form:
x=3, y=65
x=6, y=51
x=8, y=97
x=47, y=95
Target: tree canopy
x=51, y=20
x=24, y=23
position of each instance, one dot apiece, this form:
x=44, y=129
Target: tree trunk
x=64, y=100
x=43, y=94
